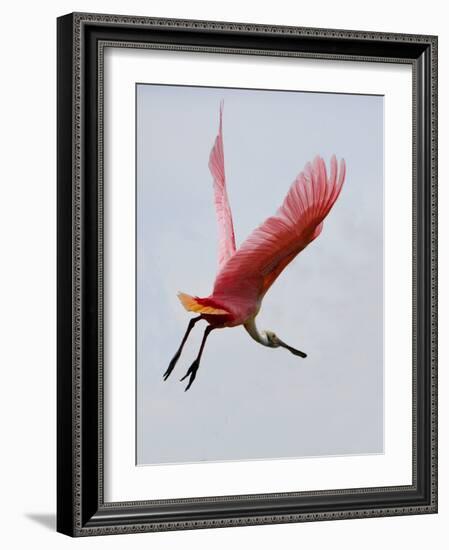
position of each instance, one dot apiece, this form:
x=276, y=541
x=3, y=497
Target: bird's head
x=274, y=342
x=271, y=338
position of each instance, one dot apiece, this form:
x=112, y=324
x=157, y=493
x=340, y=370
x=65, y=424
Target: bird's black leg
x=173, y=362
x=194, y=366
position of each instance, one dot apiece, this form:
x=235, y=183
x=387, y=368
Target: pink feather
x=243, y=280
x=245, y=275
x=226, y=238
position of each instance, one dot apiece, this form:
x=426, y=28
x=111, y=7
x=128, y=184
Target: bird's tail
x=200, y=305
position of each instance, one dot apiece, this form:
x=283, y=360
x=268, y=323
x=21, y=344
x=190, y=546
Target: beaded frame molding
x=81, y=509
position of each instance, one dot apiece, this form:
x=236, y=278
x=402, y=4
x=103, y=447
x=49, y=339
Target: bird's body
x=246, y=274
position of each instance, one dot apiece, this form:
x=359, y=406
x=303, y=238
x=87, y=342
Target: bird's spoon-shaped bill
x=292, y=350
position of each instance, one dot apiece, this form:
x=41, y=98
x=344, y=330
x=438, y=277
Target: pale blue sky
x=248, y=401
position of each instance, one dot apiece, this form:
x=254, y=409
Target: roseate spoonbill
x=245, y=275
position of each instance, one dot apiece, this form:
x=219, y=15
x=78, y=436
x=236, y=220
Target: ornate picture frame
x=81, y=508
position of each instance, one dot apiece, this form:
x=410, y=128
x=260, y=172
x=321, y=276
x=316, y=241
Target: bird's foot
x=191, y=372
x=171, y=366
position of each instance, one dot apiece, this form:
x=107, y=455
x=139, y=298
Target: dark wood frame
x=81, y=509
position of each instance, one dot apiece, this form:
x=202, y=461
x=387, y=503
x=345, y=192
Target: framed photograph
x=247, y=283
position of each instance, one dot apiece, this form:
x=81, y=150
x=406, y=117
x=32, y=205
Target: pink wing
x=273, y=245
x=226, y=238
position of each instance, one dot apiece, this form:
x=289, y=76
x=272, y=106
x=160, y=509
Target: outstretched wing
x=273, y=245
x=226, y=238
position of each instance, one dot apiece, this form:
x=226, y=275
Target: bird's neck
x=253, y=331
